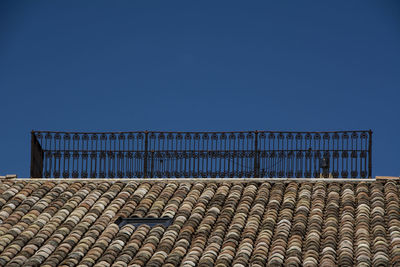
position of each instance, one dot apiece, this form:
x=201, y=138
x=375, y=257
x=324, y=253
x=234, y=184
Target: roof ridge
x=206, y=180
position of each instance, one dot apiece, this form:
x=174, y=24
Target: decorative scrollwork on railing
x=202, y=154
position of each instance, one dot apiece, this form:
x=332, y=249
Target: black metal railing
x=201, y=154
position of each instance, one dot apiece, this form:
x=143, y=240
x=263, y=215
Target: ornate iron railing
x=201, y=154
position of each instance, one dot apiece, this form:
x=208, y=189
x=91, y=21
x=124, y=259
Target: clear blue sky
x=209, y=65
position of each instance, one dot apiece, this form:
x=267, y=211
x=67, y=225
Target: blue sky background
x=185, y=65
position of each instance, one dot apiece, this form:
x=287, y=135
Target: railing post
x=36, y=158
x=152, y=164
x=256, y=165
x=370, y=155
x=146, y=147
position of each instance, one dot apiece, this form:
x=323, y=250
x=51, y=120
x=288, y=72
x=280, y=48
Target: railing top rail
x=126, y=132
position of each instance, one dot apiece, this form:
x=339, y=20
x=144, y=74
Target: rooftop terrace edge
x=141, y=154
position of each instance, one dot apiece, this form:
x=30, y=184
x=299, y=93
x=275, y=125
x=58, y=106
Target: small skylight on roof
x=165, y=221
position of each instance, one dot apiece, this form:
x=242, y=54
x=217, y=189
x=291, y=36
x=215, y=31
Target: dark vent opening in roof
x=165, y=221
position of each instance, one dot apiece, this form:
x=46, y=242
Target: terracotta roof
x=253, y=223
